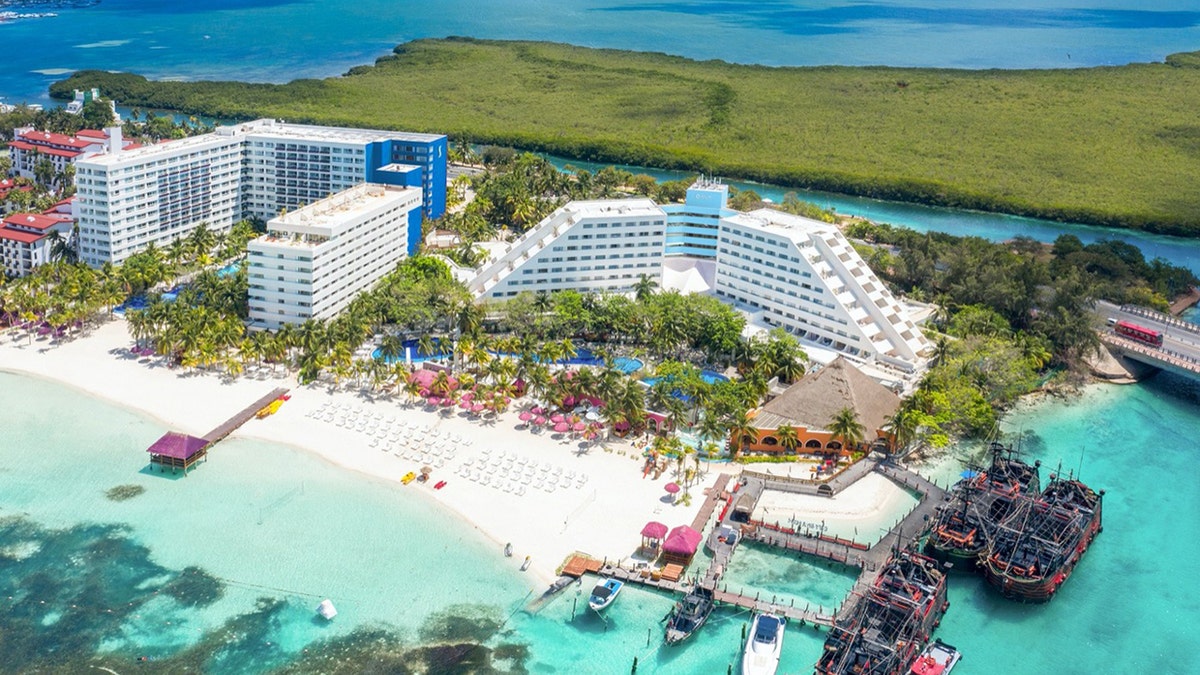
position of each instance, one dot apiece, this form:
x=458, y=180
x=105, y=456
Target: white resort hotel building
x=313, y=261
x=779, y=269
x=603, y=245
x=130, y=198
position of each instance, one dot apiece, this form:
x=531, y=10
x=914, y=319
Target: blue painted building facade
x=692, y=226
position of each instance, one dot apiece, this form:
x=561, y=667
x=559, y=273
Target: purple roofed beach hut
x=681, y=545
x=178, y=451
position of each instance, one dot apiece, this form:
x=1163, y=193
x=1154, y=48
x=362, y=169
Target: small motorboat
x=604, y=593
x=938, y=658
x=409, y=477
x=528, y=561
x=508, y=550
x=326, y=609
x=764, y=646
x=440, y=484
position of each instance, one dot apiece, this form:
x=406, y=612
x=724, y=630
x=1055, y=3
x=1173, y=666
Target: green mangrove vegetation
x=1106, y=145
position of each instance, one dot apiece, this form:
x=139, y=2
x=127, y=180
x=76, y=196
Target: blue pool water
x=583, y=357
x=709, y=377
x=230, y=269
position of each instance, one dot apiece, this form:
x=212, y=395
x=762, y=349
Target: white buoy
x=326, y=609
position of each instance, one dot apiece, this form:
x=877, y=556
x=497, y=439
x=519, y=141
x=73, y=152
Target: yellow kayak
x=271, y=408
x=408, y=477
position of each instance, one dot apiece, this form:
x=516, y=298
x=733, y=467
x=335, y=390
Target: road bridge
x=1180, y=350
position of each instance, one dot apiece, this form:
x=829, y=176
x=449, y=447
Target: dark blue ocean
x=278, y=40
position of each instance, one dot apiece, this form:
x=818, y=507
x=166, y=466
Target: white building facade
x=783, y=270
x=602, y=245
x=128, y=199
x=313, y=261
x=803, y=275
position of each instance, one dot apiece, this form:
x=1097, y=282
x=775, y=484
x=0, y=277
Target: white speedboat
x=938, y=658
x=764, y=646
x=604, y=593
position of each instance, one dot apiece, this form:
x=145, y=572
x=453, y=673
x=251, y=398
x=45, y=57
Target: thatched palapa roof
x=814, y=401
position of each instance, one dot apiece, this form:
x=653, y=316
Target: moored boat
x=890, y=623
x=689, y=615
x=938, y=658
x=604, y=593
x=1037, y=547
x=764, y=647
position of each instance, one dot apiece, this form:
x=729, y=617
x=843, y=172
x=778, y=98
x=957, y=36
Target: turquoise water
x=278, y=40
x=174, y=565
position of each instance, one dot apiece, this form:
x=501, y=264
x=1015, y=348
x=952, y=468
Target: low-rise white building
x=313, y=261
x=602, y=245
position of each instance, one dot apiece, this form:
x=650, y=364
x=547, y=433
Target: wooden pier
x=180, y=451
x=241, y=417
x=728, y=534
x=853, y=553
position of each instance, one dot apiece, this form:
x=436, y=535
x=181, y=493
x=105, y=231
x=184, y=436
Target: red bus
x=1139, y=333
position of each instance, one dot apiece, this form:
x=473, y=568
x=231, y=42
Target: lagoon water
x=220, y=570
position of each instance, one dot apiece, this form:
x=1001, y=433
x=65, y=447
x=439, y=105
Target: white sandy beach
x=603, y=517
x=601, y=514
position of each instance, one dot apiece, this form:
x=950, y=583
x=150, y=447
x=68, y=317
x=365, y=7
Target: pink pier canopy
x=654, y=530
x=682, y=541
x=177, y=446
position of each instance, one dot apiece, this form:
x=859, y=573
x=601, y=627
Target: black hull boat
x=889, y=625
x=977, y=504
x=689, y=615
x=1038, y=546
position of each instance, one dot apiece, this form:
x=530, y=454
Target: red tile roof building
x=25, y=240
x=30, y=146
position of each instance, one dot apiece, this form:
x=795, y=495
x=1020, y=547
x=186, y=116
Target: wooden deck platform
x=241, y=417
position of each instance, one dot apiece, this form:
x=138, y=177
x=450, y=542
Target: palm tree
x=643, y=288
x=845, y=426
x=902, y=426
x=741, y=434
x=788, y=438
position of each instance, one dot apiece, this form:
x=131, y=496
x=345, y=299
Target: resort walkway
x=818, y=488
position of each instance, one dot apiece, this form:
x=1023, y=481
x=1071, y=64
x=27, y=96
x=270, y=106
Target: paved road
x=1181, y=339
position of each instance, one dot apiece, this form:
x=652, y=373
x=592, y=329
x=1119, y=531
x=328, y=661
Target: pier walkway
x=727, y=534
x=808, y=486
x=241, y=417
x=849, y=552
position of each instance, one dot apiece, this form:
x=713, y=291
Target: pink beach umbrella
x=468, y=396
x=556, y=418
x=476, y=407
x=465, y=405
x=539, y=420
x=537, y=410
x=579, y=426
x=672, y=488
x=525, y=416
x=561, y=427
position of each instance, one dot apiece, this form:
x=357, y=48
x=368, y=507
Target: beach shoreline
x=603, y=520
x=598, y=506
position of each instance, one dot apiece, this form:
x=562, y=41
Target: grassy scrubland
x=1112, y=145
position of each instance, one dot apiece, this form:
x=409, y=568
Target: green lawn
x=1115, y=145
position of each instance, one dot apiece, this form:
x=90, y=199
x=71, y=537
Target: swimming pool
x=230, y=269
x=709, y=377
x=583, y=357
